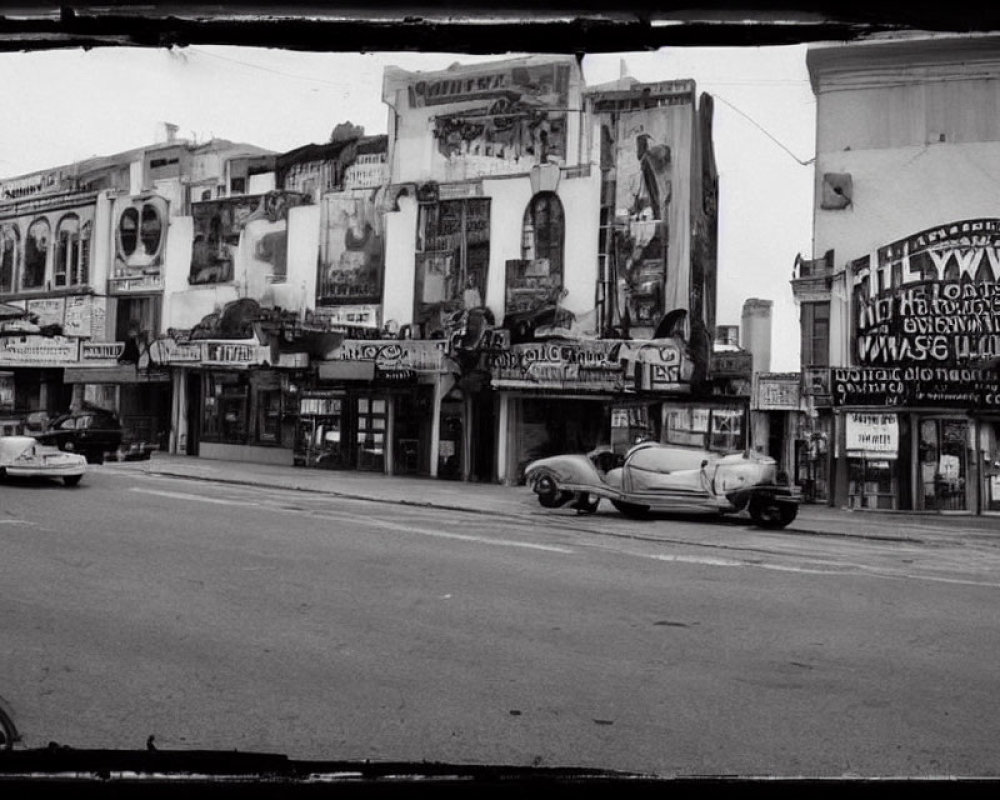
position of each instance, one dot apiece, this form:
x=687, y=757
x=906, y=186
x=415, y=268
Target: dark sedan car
x=91, y=433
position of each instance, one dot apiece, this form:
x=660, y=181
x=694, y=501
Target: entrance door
x=193, y=412
x=942, y=464
x=989, y=446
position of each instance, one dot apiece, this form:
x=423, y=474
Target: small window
x=543, y=231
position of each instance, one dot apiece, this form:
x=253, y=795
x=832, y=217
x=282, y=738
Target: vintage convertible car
x=656, y=478
x=26, y=457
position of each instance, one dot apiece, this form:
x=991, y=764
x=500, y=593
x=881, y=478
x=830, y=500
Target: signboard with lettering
x=78, y=317
x=776, y=391
x=951, y=387
x=872, y=434
x=101, y=352
x=932, y=299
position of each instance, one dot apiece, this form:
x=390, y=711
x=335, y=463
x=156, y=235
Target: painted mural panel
x=352, y=249
x=931, y=299
x=504, y=118
x=218, y=225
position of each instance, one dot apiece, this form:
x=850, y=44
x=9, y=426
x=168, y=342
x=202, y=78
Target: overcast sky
x=63, y=106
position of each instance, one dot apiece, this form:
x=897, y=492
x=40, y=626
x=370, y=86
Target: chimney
x=757, y=332
x=166, y=132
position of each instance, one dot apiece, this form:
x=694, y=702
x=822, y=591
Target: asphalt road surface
x=227, y=617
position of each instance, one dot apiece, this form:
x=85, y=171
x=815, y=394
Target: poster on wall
x=931, y=299
x=47, y=310
x=352, y=256
x=513, y=115
x=452, y=269
x=872, y=435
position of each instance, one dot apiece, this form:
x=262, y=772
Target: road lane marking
x=356, y=518
x=185, y=496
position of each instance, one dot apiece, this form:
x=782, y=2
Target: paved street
x=314, y=623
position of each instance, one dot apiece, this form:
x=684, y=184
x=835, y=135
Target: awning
x=346, y=370
x=123, y=373
x=8, y=311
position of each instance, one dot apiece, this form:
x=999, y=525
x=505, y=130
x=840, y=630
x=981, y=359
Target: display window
x=320, y=438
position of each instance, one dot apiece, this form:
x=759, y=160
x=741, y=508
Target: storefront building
x=905, y=298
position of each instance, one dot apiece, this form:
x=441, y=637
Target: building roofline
x=909, y=51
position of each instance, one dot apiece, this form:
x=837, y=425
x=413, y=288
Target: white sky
x=63, y=106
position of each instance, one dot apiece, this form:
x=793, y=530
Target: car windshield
x=628, y=403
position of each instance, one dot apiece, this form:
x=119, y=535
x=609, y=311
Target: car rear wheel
x=72, y=480
x=631, y=510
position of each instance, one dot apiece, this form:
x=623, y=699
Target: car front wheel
x=772, y=514
x=72, y=480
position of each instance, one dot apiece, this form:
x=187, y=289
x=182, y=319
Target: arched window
x=128, y=231
x=67, y=258
x=544, y=231
x=10, y=241
x=36, y=250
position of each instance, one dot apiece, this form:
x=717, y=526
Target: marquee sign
x=931, y=299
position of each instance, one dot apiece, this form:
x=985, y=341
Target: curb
x=490, y=512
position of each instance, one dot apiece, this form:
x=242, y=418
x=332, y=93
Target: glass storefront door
x=942, y=466
x=989, y=448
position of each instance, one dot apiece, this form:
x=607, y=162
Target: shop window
x=36, y=250
x=872, y=483
x=717, y=429
x=815, y=322
x=544, y=231
x=10, y=241
x=320, y=438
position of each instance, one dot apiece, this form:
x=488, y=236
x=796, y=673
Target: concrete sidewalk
x=519, y=501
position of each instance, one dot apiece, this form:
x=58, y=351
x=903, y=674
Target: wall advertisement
x=931, y=299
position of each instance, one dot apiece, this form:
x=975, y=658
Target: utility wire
x=764, y=131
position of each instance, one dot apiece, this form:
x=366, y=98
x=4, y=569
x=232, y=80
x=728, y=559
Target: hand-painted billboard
x=930, y=299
